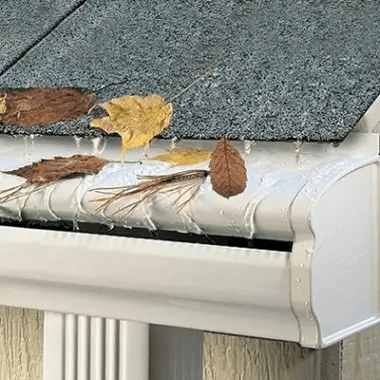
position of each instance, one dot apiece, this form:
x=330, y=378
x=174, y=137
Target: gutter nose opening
x=162, y=235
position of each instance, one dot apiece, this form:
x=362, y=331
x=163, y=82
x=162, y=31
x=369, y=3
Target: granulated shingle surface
x=304, y=70
x=24, y=23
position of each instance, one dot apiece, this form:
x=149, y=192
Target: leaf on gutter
x=41, y=106
x=188, y=156
x=137, y=120
x=228, y=173
x=183, y=184
x=48, y=171
x=44, y=173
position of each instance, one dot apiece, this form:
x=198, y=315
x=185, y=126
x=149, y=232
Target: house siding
x=225, y=357
x=229, y=357
x=21, y=344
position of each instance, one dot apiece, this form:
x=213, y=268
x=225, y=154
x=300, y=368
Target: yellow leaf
x=188, y=156
x=137, y=120
x=3, y=105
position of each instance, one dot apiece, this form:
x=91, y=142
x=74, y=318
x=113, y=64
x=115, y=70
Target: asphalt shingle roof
x=280, y=70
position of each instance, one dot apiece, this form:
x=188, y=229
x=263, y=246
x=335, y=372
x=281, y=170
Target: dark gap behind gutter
x=142, y=233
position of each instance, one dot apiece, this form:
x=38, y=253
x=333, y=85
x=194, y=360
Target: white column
x=54, y=346
x=134, y=349
x=78, y=347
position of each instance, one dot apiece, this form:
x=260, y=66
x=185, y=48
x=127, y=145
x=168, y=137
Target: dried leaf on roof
x=183, y=184
x=137, y=120
x=227, y=170
x=48, y=171
x=188, y=156
x=41, y=106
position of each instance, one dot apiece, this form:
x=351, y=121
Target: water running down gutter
x=256, y=292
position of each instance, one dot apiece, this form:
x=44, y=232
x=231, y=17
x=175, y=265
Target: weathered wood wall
x=229, y=357
x=361, y=356
x=225, y=357
x=21, y=341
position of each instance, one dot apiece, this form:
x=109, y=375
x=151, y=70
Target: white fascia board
x=234, y=290
x=159, y=282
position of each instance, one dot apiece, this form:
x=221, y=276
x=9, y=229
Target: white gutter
x=293, y=195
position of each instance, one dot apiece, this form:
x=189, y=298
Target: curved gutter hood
x=321, y=198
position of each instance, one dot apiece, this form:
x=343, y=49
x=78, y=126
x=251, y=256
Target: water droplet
x=148, y=222
x=298, y=279
x=310, y=250
x=77, y=202
x=221, y=212
x=299, y=145
x=282, y=214
x=28, y=147
x=302, y=265
x=19, y=211
x=191, y=225
x=98, y=145
x=77, y=143
x=75, y=224
x=248, y=144
x=146, y=150
x=173, y=142
x=21, y=201
x=249, y=217
x=47, y=200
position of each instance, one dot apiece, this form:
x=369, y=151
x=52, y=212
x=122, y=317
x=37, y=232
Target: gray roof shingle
x=301, y=70
x=23, y=24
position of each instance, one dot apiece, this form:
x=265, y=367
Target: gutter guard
x=322, y=198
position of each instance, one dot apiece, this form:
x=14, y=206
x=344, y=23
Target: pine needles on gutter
x=184, y=184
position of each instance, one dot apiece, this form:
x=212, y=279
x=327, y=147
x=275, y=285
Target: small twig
x=206, y=74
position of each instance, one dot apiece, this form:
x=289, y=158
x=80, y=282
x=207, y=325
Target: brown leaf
x=137, y=120
x=47, y=171
x=41, y=106
x=227, y=170
x=187, y=156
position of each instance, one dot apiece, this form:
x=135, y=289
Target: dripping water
x=248, y=144
x=21, y=201
x=77, y=204
x=98, y=145
x=299, y=146
x=148, y=221
x=78, y=144
x=28, y=148
x=249, y=218
x=47, y=200
x=191, y=225
x=173, y=142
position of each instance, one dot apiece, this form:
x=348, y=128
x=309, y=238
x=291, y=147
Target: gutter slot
x=142, y=233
